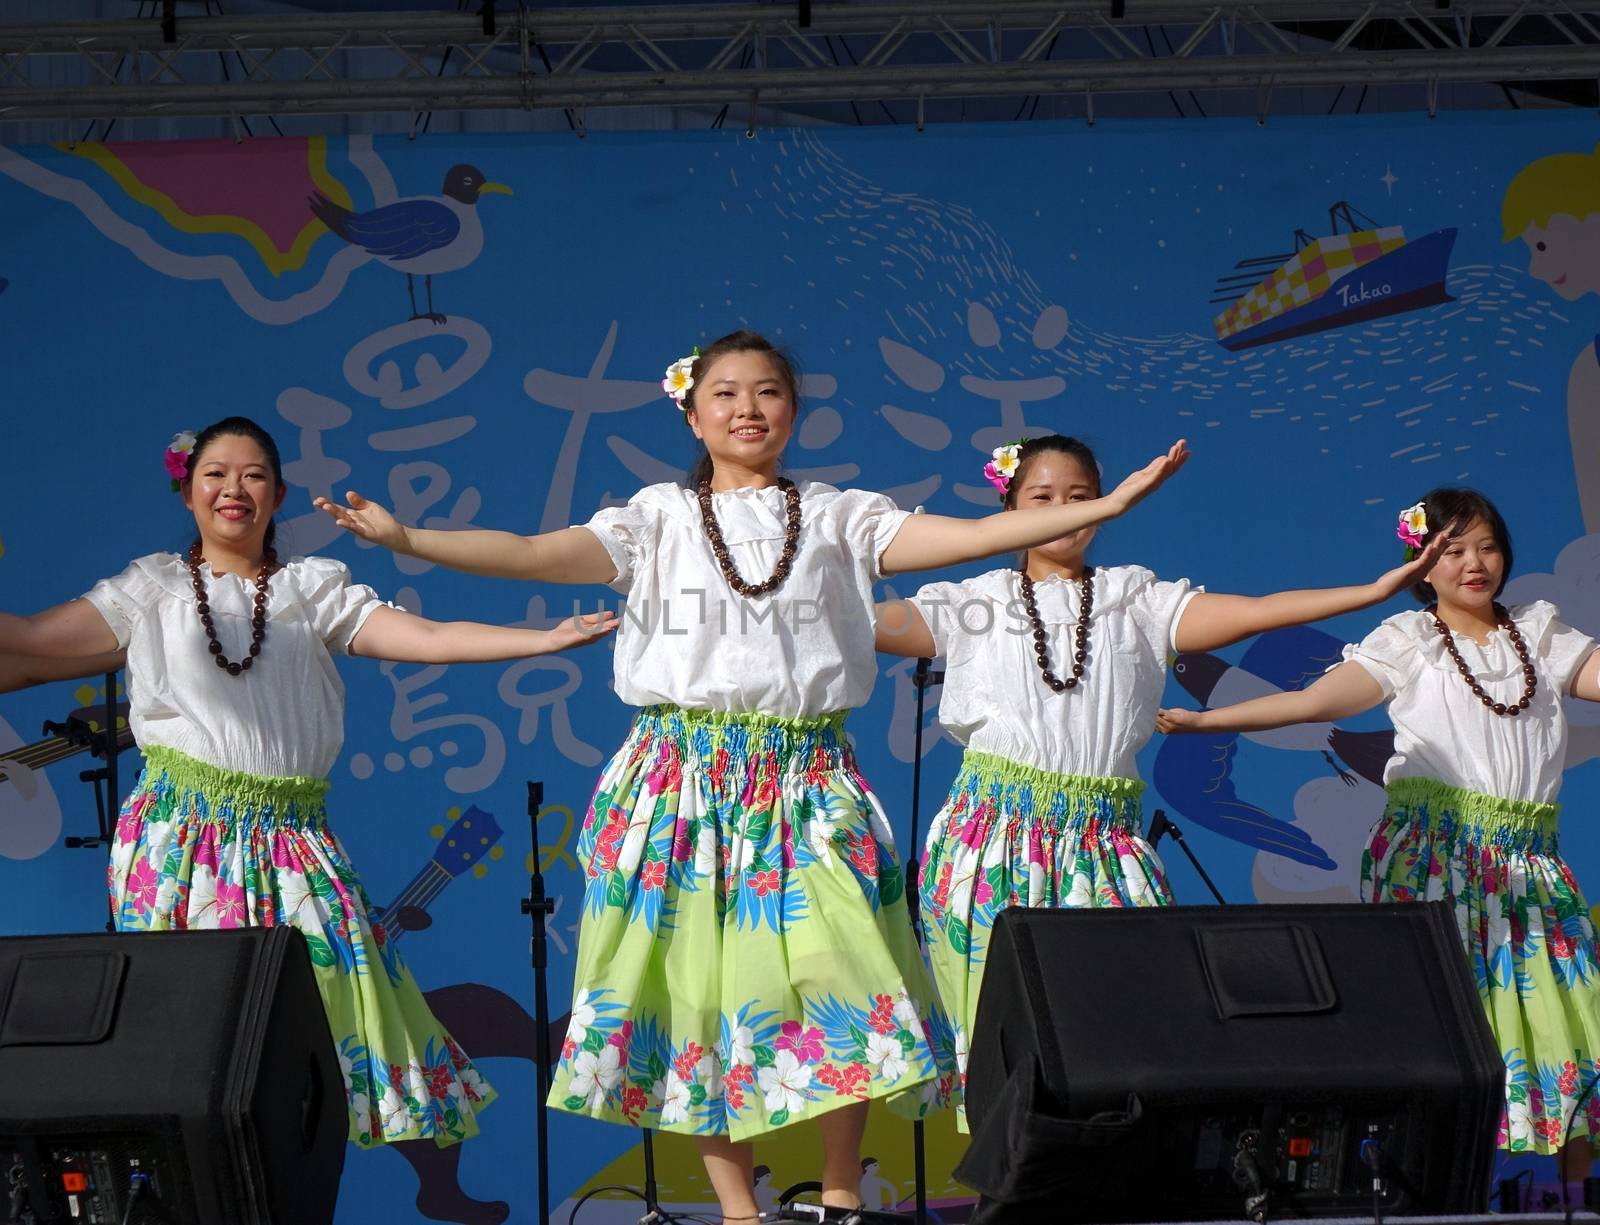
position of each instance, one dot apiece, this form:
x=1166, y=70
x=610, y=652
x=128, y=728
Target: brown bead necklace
x=791, y=541
x=1041, y=649
x=1530, y=679
x=258, y=621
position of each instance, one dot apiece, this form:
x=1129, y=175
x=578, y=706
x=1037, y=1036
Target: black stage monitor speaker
x=1202, y=1062
x=185, y=1078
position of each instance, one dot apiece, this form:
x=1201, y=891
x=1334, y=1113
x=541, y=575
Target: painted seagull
x=419, y=235
x=1194, y=772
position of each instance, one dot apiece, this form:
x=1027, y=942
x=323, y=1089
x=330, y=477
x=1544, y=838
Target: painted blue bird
x=1194, y=771
x=419, y=235
x=1286, y=659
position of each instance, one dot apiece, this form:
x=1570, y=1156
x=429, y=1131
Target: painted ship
x=1360, y=270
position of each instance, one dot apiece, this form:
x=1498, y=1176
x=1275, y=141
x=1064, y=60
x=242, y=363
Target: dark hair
x=742, y=341
x=1059, y=444
x=1454, y=509
x=239, y=427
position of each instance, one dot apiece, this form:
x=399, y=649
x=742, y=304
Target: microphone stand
x=538, y=906
x=102, y=743
x=922, y=679
x=1161, y=824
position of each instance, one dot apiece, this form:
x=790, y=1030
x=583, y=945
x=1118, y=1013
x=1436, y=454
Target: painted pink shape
x=264, y=181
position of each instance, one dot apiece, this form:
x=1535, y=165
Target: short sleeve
x=124, y=599
x=337, y=606
x=1158, y=606
x=939, y=604
x=1562, y=647
x=628, y=534
x=1388, y=654
x=870, y=522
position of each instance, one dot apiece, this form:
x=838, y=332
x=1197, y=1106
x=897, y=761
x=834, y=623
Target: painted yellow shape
x=278, y=262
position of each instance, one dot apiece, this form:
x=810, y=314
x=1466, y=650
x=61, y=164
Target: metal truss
x=776, y=54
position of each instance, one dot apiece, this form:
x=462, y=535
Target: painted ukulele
x=466, y=842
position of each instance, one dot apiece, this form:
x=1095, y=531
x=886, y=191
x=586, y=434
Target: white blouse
x=686, y=637
x=995, y=699
x=283, y=717
x=1441, y=729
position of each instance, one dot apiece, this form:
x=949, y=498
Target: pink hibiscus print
x=805, y=1043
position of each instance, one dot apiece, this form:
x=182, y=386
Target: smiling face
x=1565, y=254
x=233, y=492
x=1054, y=478
x=1472, y=569
x=743, y=410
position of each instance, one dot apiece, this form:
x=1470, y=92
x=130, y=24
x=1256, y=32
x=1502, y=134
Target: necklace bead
x=1530, y=677
x=258, y=619
x=1041, y=650
x=719, y=547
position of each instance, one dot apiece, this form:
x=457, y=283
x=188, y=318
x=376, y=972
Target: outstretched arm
x=24, y=671
x=390, y=633
x=1586, y=682
x=926, y=542
x=1211, y=621
x=72, y=630
x=1347, y=690
x=571, y=555
x=901, y=630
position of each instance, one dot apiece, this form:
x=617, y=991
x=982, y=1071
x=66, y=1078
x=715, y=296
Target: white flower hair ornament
x=999, y=470
x=680, y=378
x=1413, y=529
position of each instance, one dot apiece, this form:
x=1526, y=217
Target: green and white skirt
x=1013, y=835
x=201, y=847
x=745, y=959
x=1528, y=936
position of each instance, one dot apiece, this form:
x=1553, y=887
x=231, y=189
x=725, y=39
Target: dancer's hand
x=367, y=520
x=1141, y=484
x=580, y=629
x=1394, y=581
x=1170, y=722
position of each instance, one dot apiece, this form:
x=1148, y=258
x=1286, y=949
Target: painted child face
x=1566, y=254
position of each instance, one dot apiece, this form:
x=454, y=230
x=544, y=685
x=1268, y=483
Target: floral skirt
x=1013, y=835
x=745, y=958
x=1527, y=933
x=200, y=847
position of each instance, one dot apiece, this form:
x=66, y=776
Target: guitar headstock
x=467, y=841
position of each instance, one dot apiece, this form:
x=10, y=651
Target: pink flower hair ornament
x=176, y=457
x=1413, y=529
x=1003, y=466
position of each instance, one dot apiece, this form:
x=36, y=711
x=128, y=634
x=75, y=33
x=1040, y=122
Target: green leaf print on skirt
x=745, y=959
x=1526, y=930
x=1013, y=835
x=198, y=846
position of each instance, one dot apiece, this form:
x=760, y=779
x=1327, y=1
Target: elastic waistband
x=1489, y=812
x=225, y=792
x=992, y=769
x=703, y=734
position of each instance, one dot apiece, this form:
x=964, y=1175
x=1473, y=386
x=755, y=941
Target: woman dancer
x=239, y=711
x=1475, y=694
x=1053, y=672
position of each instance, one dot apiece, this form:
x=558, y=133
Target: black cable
x=137, y=1184
x=1372, y=1157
